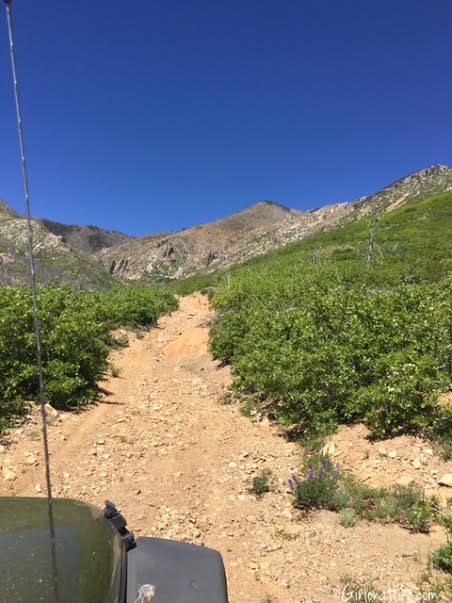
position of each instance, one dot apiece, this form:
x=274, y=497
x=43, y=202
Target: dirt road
x=178, y=463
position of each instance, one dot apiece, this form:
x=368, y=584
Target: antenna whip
x=35, y=300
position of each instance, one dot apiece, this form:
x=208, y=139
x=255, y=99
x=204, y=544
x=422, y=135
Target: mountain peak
x=433, y=170
x=269, y=210
x=268, y=203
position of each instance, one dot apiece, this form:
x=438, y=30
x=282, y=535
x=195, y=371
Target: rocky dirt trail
x=178, y=464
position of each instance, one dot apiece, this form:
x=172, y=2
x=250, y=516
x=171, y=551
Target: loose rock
x=446, y=480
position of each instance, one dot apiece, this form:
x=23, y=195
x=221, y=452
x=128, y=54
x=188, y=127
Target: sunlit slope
x=335, y=329
x=411, y=244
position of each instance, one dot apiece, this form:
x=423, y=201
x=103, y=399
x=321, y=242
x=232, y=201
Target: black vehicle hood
x=90, y=554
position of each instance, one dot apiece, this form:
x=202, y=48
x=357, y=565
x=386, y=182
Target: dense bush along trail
x=76, y=338
x=179, y=464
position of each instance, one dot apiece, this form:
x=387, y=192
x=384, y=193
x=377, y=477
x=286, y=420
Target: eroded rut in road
x=178, y=464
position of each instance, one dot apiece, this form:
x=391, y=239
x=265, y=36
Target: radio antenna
x=36, y=321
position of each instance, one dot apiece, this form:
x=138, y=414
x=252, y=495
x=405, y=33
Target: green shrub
x=312, y=445
x=405, y=505
x=325, y=486
x=261, y=484
x=406, y=398
x=442, y=557
x=340, y=499
x=413, y=509
x=137, y=306
x=327, y=356
x=385, y=508
x=319, y=488
x=333, y=341
x=348, y=518
x=248, y=408
x=76, y=338
x=115, y=372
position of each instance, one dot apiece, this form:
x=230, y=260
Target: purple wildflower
x=311, y=473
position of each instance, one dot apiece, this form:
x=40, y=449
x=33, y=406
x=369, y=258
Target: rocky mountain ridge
x=176, y=255
x=89, y=256
x=55, y=260
x=87, y=239
x=238, y=238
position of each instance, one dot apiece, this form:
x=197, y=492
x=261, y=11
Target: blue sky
x=158, y=114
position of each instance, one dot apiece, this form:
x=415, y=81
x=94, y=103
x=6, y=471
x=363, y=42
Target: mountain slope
x=258, y=230
x=6, y=212
x=89, y=256
x=174, y=255
x=417, y=186
x=412, y=245
x=54, y=259
x=87, y=239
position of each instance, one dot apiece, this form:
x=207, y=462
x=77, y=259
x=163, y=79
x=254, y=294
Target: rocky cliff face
x=90, y=256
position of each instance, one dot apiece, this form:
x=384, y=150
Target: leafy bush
x=325, y=486
x=326, y=339
x=261, y=483
x=405, y=505
x=137, y=306
x=325, y=356
x=412, y=508
x=76, y=337
x=319, y=488
x=348, y=518
x=442, y=558
x=203, y=283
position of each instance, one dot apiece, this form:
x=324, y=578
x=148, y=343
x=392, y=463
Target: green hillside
x=412, y=244
x=322, y=332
